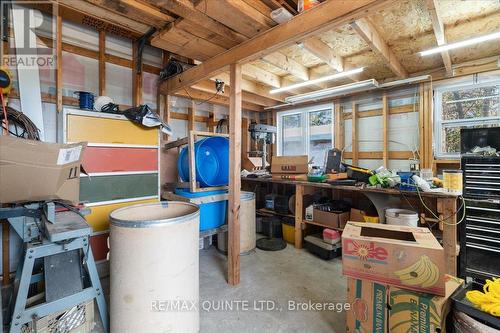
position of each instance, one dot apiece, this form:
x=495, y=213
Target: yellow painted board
x=105, y=130
x=99, y=216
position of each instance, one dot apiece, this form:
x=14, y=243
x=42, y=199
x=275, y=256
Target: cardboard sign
x=402, y=256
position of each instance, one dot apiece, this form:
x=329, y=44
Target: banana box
x=368, y=312
x=401, y=256
x=411, y=311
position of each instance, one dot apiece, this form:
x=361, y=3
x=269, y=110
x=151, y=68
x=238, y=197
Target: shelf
x=265, y=211
x=321, y=225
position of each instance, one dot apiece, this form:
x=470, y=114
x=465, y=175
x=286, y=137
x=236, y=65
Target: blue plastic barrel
x=212, y=214
x=212, y=162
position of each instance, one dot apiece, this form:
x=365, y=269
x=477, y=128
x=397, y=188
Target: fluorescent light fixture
x=319, y=80
x=405, y=81
x=463, y=43
x=333, y=91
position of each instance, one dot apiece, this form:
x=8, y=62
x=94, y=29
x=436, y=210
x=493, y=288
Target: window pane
x=320, y=132
x=293, y=135
x=451, y=137
x=471, y=103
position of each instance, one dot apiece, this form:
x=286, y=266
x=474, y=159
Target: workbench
x=445, y=205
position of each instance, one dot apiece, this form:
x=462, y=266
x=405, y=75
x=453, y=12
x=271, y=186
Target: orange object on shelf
x=306, y=4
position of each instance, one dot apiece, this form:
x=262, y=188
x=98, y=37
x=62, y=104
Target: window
x=464, y=106
x=306, y=131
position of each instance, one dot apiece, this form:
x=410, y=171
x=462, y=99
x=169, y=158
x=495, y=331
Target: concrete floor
x=279, y=277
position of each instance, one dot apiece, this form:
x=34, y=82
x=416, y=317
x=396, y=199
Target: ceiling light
x=319, y=80
x=333, y=91
x=405, y=81
x=462, y=43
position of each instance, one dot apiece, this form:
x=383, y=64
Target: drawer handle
x=485, y=183
x=480, y=220
x=482, y=177
x=483, y=238
x=482, y=188
x=483, y=171
x=481, y=229
x=484, y=209
x=481, y=165
x=482, y=248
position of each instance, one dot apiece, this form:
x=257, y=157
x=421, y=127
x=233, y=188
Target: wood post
x=422, y=127
x=102, y=63
x=59, y=83
x=354, y=127
x=299, y=202
x=191, y=115
x=447, y=207
x=136, y=77
x=234, y=175
x=338, y=125
x=385, y=130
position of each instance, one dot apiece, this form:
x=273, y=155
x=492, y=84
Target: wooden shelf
x=321, y=225
x=265, y=211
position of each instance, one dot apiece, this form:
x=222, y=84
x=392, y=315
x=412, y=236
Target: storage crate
x=78, y=319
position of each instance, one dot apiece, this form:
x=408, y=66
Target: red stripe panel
x=117, y=159
x=99, y=245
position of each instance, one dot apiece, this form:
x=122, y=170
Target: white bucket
x=396, y=216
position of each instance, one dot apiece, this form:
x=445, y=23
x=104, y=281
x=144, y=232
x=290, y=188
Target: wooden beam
x=59, y=60
x=321, y=50
x=255, y=73
x=102, y=63
x=209, y=86
x=301, y=27
x=421, y=126
x=136, y=77
x=186, y=10
x=339, y=125
x=287, y=64
x=354, y=133
x=438, y=27
x=378, y=155
x=235, y=115
x=253, y=87
x=366, y=30
x=213, y=99
x=385, y=130
x=191, y=115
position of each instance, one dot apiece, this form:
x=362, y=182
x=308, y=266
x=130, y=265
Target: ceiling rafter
x=200, y=95
x=438, y=27
x=366, y=30
x=321, y=50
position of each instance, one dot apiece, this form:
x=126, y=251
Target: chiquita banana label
x=424, y=273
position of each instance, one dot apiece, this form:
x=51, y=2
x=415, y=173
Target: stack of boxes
x=290, y=167
x=396, y=281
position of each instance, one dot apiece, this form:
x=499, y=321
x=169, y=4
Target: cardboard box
x=39, y=171
x=288, y=176
x=411, y=311
x=402, y=256
x=331, y=219
x=337, y=176
x=368, y=312
x=357, y=215
x=290, y=164
x=379, y=308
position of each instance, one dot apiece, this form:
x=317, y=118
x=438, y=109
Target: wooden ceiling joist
x=366, y=30
x=200, y=95
x=255, y=73
x=327, y=15
x=321, y=50
x=253, y=87
x=438, y=27
x=287, y=64
x=186, y=10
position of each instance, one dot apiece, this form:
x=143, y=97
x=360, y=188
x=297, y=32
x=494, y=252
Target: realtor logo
x=30, y=29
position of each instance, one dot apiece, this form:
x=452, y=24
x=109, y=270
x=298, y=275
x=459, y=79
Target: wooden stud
x=192, y=162
x=430, y=112
x=235, y=116
x=338, y=125
x=136, y=77
x=385, y=129
x=59, y=79
x=421, y=126
x=354, y=130
x=102, y=63
x=321, y=50
x=447, y=207
x=377, y=155
x=191, y=115
x=299, y=208
x=438, y=27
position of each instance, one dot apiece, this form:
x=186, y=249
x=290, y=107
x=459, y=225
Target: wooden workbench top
x=389, y=191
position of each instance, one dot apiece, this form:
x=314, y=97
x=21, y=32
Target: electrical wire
x=203, y=101
x=20, y=121
x=444, y=219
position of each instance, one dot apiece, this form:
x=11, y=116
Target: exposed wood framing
x=379, y=112
x=201, y=95
x=255, y=73
x=299, y=208
x=438, y=27
x=354, y=133
x=338, y=126
x=421, y=126
x=447, y=208
x=287, y=64
x=378, y=155
x=303, y=26
x=59, y=61
x=191, y=114
x=253, y=87
x=102, y=63
x=321, y=50
x=234, y=176
x=385, y=130
x=428, y=124
x=136, y=77
x=366, y=30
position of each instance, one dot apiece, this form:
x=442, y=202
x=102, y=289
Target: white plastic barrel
x=247, y=225
x=396, y=216
x=154, y=272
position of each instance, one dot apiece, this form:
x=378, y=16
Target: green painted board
x=106, y=188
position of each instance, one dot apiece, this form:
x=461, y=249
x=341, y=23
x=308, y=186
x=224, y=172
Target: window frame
x=304, y=111
x=440, y=124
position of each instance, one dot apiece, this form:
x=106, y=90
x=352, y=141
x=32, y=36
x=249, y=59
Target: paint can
x=453, y=181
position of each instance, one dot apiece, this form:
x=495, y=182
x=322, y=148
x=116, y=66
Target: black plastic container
x=315, y=245
x=276, y=226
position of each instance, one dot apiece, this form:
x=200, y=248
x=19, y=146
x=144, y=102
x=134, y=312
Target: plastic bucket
x=212, y=162
x=396, y=216
x=212, y=214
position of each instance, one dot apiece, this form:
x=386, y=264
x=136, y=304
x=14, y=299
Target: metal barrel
x=154, y=268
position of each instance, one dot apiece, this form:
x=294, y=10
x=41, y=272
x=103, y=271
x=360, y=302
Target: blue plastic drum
x=212, y=162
